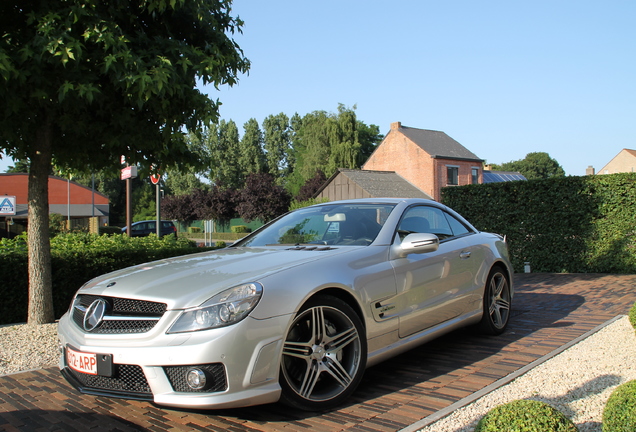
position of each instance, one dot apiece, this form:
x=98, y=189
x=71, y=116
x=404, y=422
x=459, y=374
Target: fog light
x=196, y=378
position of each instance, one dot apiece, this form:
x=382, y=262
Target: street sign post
x=154, y=178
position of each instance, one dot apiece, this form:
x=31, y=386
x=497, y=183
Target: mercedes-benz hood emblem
x=94, y=314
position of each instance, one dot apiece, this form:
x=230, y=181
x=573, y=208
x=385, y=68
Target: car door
x=138, y=230
x=436, y=286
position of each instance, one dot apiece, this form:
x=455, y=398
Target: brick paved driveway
x=548, y=312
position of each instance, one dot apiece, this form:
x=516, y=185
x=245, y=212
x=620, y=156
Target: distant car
x=144, y=228
x=293, y=312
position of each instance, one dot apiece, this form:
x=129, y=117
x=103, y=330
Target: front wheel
x=497, y=303
x=324, y=355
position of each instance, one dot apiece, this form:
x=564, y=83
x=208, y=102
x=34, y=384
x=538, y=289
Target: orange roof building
x=67, y=198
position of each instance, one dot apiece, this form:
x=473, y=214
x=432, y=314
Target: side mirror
x=417, y=243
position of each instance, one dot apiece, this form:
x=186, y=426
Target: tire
x=497, y=303
x=324, y=355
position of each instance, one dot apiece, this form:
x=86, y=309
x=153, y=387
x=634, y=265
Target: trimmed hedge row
x=75, y=259
x=567, y=224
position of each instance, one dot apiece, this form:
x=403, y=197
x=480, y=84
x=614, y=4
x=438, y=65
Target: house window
x=452, y=175
x=475, y=175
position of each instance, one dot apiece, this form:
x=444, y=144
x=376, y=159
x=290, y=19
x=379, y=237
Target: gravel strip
x=25, y=347
x=578, y=381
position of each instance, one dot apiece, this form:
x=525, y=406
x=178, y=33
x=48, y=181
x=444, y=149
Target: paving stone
x=549, y=310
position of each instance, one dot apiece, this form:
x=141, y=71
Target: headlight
x=224, y=309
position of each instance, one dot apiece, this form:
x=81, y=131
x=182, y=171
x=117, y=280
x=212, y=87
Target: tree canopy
x=86, y=81
x=536, y=165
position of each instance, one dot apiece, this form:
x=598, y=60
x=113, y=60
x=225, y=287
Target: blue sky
x=504, y=78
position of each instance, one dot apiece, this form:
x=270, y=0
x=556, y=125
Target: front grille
x=123, y=316
x=137, y=307
x=214, y=373
x=126, y=378
x=125, y=326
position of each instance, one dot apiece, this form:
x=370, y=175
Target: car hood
x=190, y=280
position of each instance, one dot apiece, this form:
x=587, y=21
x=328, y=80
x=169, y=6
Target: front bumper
x=243, y=360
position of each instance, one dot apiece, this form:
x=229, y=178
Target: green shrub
x=221, y=244
x=109, y=230
x=619, y=414
x=75, y=259
x=228, y=236
x=632, y=316
x=194, y=230
x=238, y=229
x=525, y=416
x=57, y=223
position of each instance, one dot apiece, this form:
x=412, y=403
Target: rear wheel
x=497, y=303
x=324, y=355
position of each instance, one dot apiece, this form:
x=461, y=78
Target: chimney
x=396, y=125
x=590, y=170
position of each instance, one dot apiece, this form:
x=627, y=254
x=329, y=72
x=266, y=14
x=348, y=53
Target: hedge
x=525, y=416
x=619, y=414
x=75, y=259
x=566, y=224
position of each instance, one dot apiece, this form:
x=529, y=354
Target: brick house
x=624, y=161
x=428, y=159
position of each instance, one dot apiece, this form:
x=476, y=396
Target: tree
x=185, y=179
x=537, y=165
x=217, y=204
x=20, y=166
x=85, y=81
x=223, y=147
x=262, y=199
x=180, y=207
x=277, y=145
x=182, y=181
x=369, y=137
x=325, y=142
x=251, y=156
x=311, y=186
x=345, y=146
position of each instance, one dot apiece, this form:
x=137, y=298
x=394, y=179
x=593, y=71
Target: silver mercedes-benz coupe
x=294, y=312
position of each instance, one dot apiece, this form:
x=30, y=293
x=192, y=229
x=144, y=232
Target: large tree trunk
x=40, y=285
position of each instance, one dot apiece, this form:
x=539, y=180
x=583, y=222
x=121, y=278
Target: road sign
x=128, y=172
x=154, y=178
x=7, y=205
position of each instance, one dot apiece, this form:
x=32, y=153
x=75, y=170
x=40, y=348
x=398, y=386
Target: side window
x=452, y=175
x=424, y=219
x=457, y=227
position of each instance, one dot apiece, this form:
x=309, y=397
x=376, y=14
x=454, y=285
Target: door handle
x=464, y=255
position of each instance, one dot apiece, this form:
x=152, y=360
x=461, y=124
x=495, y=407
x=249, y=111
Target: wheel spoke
x=498, y=286
x=502, y=304
x=297, y=349
x=495, y=313
x=337, y=342
x=335, y=369
x=499, y=305
x=318, y=330
x=312, y=374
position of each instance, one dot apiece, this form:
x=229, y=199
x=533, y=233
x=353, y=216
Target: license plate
x=81, y=362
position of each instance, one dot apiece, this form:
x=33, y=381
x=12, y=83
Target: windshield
x=336, y=224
